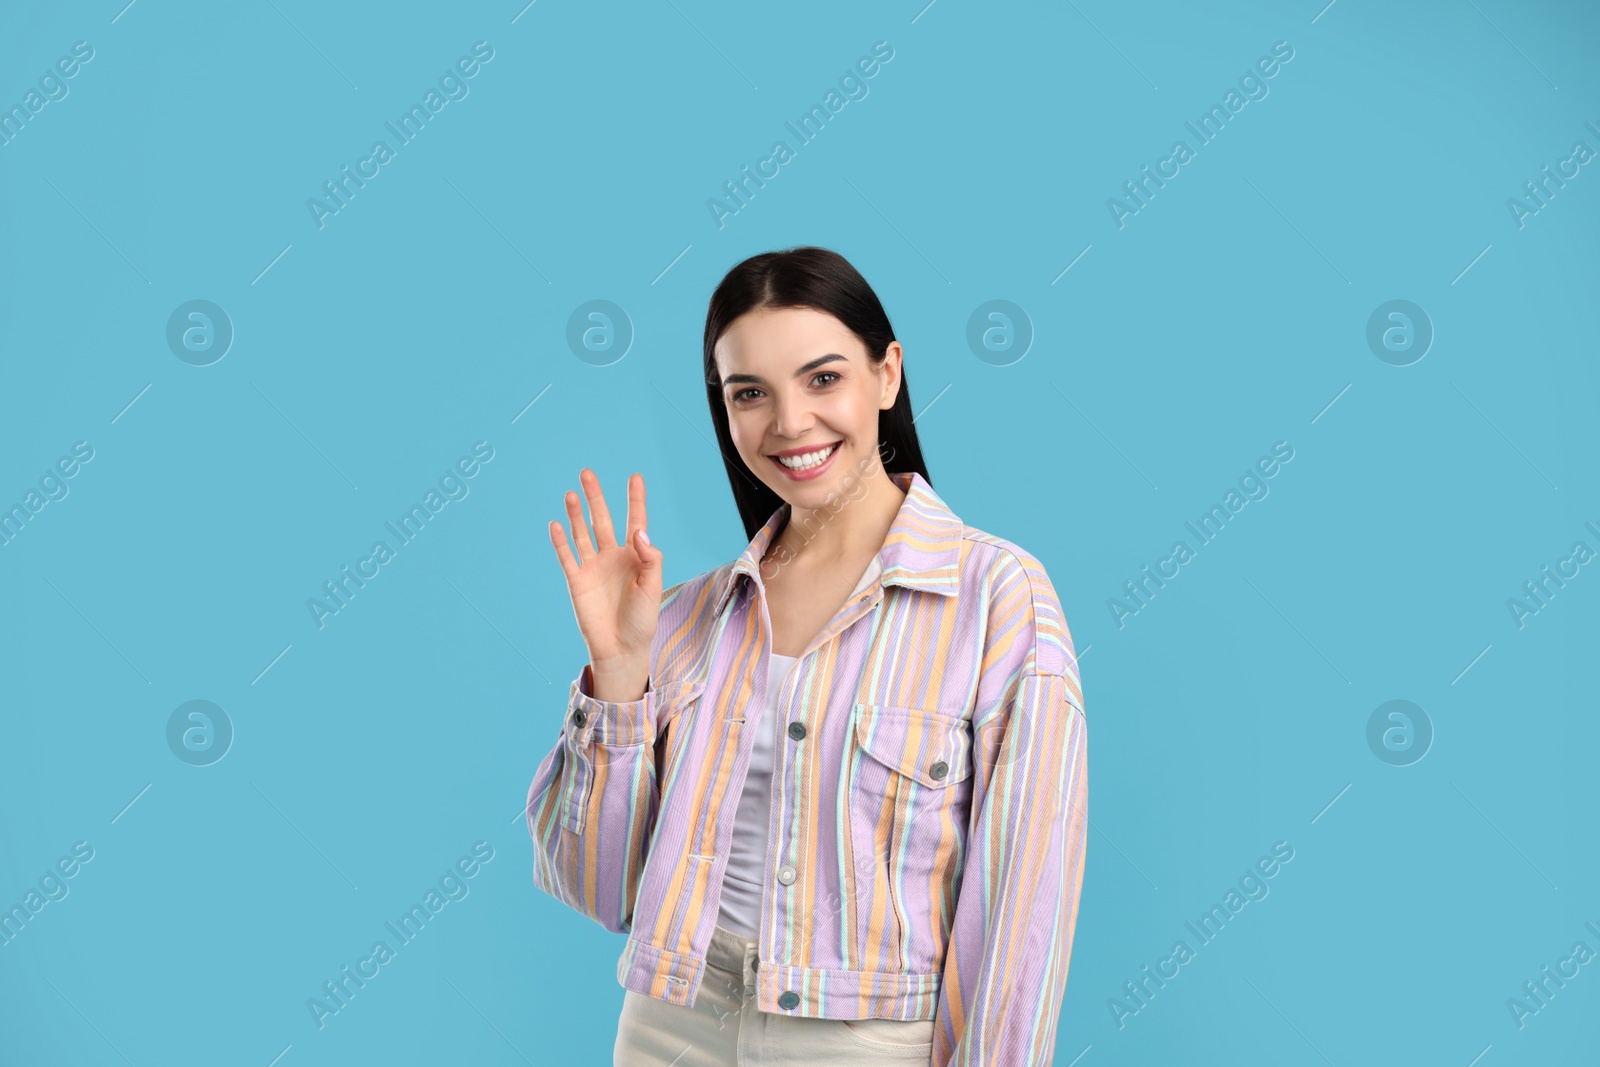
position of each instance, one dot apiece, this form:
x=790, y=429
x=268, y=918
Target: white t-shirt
x=744, y=880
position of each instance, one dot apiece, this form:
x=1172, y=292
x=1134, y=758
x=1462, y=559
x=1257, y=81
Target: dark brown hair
x=823, y=280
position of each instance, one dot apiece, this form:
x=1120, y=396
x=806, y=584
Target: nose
x=791, y=416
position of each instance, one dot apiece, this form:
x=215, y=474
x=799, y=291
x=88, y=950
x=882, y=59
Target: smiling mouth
x=805, y=461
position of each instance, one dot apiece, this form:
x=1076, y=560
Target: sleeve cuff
x=608, y=722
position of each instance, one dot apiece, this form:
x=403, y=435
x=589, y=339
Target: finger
x=650, y=558
x=604, y=535
x=558, y=538
x=637, y=519
x=580, y=528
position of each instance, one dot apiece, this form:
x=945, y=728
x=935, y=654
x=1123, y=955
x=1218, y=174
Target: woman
x=835, y=790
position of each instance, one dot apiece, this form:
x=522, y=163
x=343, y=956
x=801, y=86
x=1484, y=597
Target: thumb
x=649, y=555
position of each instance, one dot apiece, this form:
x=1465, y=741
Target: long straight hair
x=821, y=279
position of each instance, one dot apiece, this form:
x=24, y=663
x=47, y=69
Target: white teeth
x=808, y=459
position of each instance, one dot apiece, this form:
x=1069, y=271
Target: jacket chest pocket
x=909, y=795
x=673, y=725
x=601, y=770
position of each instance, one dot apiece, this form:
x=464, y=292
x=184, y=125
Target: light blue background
x=371, y=354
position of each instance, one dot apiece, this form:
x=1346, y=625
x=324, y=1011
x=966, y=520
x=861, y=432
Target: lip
x=812, y=472
x=803, y=449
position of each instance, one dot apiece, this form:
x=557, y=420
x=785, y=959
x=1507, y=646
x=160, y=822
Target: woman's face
x=799, y=387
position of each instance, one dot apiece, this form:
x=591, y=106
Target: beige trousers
x=724, y=1028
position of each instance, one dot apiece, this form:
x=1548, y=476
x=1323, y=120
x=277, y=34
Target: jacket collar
x=921, y=551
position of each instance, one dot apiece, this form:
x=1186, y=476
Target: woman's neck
x=854, y=529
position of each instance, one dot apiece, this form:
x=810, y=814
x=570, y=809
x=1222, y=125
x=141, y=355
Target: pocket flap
x=931, y=747
x=673, y=697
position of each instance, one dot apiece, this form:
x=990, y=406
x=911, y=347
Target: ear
x=890, y=370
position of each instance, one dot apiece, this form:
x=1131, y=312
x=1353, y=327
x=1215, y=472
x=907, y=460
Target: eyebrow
x=741, y=379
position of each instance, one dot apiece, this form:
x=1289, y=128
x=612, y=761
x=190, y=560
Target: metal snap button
x=786, y=875
x=788, y=1000
x=579, y=718
x=797, y=730
x=939, y=769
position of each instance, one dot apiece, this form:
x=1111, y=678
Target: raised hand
x=615, y=587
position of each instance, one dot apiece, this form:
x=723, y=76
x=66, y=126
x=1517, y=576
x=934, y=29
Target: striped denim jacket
x=929, y=820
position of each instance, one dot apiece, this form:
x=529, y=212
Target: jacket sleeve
x=593, y=803
x=1005, y=970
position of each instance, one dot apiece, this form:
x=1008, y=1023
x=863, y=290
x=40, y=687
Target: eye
x=823, y=378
